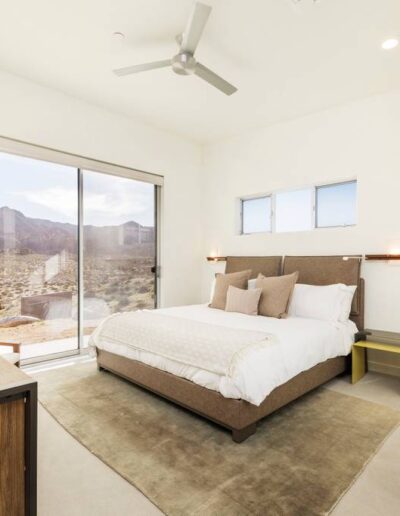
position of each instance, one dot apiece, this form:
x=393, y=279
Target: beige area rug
x=300, y=461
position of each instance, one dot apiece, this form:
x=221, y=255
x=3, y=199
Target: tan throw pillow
x=222, y=283
x=243, y=301
x=276, y=293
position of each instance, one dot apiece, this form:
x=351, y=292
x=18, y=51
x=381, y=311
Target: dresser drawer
x=12, y=446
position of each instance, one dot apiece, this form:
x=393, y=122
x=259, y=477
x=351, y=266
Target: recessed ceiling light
x=118, y=36
x=388, y=44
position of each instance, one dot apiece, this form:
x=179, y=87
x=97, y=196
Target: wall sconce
x=347, y=258
x=371, y=257
x=216, y=258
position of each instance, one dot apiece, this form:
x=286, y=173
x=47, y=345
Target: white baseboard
x=379, y=367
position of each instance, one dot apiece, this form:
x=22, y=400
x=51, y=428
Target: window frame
x=254, y=198
x=313, y=207
x=329, y=185
x=41, y=153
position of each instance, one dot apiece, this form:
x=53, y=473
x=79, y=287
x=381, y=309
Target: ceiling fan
x=184, y=63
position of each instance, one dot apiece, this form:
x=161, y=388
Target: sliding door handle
x=156, y=269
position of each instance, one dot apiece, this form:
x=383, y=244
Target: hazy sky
x=294, y=210
x=337, y=204
x=48, y=191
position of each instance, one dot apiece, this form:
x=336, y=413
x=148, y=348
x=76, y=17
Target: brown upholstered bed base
x=237, y=415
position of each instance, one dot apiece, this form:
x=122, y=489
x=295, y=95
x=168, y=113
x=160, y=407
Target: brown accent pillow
x=243, y=301
x=276, y=294
x=222, y=283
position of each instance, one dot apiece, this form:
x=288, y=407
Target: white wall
x=360, y=140
x=35, y=114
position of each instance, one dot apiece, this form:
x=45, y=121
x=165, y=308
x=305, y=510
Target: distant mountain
x=26, y=234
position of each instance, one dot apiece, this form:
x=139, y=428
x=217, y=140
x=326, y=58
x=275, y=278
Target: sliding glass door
x=75, y=246
x=38, y=256
x=119, y=246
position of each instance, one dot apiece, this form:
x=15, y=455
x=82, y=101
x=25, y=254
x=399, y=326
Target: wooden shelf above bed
x=216, y=258
x=369, y=257
x=384, y=257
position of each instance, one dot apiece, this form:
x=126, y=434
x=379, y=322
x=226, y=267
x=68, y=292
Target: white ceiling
x=287, y=59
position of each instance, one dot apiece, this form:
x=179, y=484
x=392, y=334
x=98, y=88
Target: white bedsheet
x=299, y=345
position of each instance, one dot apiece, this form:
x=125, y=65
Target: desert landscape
x=117, y=274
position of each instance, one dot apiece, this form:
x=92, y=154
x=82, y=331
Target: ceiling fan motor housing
x=184, y=63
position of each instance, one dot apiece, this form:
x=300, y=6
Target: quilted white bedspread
x=257, y=362
x=210, y=347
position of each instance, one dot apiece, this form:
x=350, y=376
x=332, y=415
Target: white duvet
x=297, y=345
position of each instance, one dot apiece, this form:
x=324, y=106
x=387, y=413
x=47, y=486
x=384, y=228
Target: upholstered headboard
x=326, y=270
x=267, y=265
x=313, y=270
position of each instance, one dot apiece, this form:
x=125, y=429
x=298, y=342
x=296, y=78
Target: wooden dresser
x=18, y=441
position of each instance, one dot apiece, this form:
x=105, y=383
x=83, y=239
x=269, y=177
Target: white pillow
x=212, y=289
x=251, y=283
x=347, y=299
x=326, y=303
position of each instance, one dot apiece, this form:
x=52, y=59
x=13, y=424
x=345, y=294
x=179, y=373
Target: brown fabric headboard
x=267, y=265
x=326, y=270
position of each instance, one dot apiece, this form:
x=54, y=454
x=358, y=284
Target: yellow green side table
x=359, y=356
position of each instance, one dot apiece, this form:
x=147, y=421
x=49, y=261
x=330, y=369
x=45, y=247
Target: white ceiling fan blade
x=142, y=67
x=214, y=79
x=195, y=27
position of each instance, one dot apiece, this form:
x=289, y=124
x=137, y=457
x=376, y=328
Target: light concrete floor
x=73, y=482
x=376, y=492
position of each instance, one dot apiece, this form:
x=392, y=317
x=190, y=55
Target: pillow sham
x=242, y=301
x=276, y=294
x=347, y=292
x=326, y=303
x=222, y=283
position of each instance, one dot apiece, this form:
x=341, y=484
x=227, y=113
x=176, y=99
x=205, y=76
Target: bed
x=312, y=352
